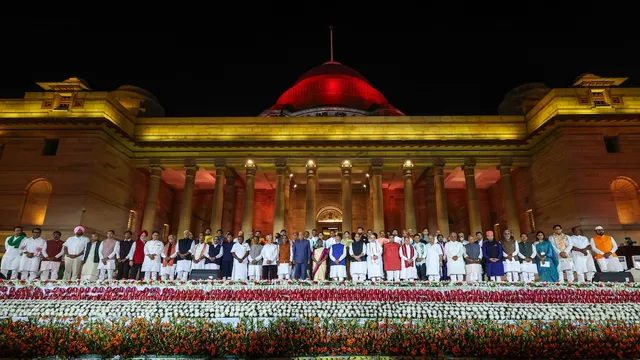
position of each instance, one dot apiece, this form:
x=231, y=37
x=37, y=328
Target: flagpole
x=331, y=37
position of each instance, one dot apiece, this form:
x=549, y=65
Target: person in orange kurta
x=605, y=247
x=391, y=260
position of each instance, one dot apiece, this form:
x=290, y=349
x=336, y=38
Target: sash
x=202, y=252
x=168, y=260
x=408, y=263
x=562, y=241
x=14, y=242
x=323, y=257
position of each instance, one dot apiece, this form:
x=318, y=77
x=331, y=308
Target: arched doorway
x=625, y=194
x=329, y=218
x=36, y=203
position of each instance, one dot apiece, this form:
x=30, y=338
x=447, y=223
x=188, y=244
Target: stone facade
x=571, y=161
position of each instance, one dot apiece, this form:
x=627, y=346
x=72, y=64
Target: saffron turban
x=78, y=228
x=489, y=233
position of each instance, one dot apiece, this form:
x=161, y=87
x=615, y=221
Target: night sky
x=242, y=70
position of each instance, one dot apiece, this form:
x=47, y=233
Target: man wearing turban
x=73, y=253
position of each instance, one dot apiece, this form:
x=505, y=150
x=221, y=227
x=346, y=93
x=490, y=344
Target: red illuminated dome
x=332, y=89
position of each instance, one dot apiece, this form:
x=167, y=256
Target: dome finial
x=331, y=38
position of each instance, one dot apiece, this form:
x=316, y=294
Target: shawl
x=168, y=260
x=14, y=241
x=408, y=262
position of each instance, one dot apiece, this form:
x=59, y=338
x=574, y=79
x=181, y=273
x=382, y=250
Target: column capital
x=250, y=166
x=469, y=167
x=505, y=166
x=220, y=169
x=281, y=162
x=311, y=168
x=219, y=162
x=407, y=168
x=346, y=168
x=438, y=163
x=469, y=162
x=191, y=170
x=376, y=162
x=156, y=170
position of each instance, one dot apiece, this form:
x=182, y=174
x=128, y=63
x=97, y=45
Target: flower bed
x=302, y=291
x=320, y=309
x=312, y=337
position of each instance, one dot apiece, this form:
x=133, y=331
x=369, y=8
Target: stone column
x=279, y=208
x=229, y=202
x=249, y=189
x=376, y=188
x=287, y=199
x=409, y=202
x=513, y=220
x=187, y=199
x=312, y=185
x=432, y=212
x=347, y=196
x=218, y=198
x=441, y=197
x=153, y=189
x=475, y=223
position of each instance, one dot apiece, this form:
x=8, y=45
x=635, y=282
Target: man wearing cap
x=73, y=253
x=605, y=247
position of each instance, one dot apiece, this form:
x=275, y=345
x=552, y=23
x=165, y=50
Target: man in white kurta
x=408, y=257
x=51, y=258
x=562, y=246
x=169, y=253
x=358, y=266
x=199, y=254
x=240, y=253
x=581, y=254
x=510, y=251
x=152, y=257
x=31, y=255
x=12, y=255
x=74, y=248
x=455, y=259
x=605, y=247
x=375, y=270
x=107, y=252
x=434, y=259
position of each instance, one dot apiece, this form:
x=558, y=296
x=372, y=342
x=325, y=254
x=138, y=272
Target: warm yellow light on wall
x=310, y=163
x=249, y=162
x=408, y=163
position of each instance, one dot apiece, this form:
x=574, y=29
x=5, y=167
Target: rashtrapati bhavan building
x=332, y=153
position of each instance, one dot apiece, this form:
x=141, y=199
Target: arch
x=35, y=205
x=329, y=214
x=625, y=195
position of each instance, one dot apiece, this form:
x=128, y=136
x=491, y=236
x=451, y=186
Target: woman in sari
x=547, y=259
x=320, y=255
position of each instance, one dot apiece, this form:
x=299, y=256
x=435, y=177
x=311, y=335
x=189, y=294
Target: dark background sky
x=424, y=66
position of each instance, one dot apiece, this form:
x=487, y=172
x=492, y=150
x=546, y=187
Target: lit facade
x=331, y=153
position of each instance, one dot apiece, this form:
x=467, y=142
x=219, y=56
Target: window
x=612, y=144
x=131, y=223
x=531, y=223
x=599, y=98
x=50, y=147
x=64, y=102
